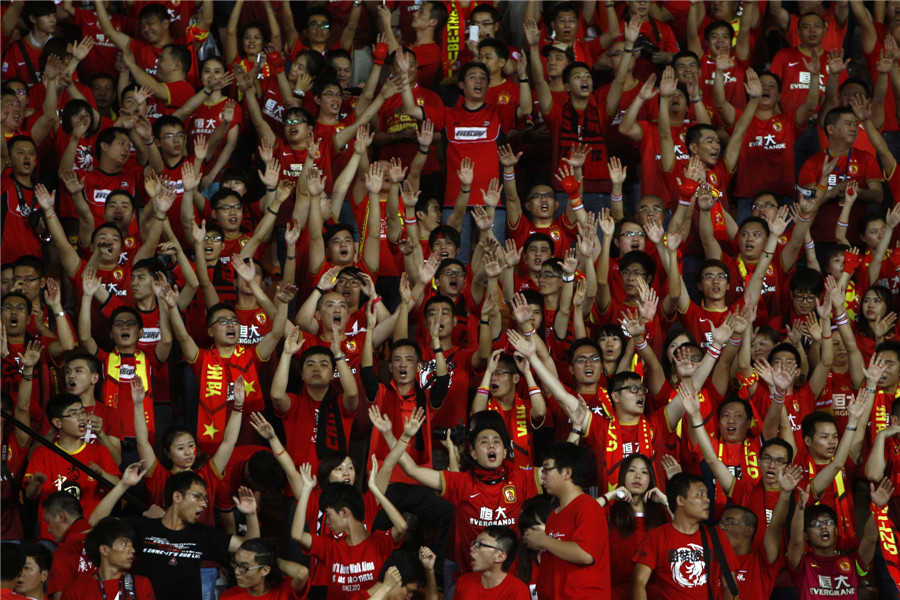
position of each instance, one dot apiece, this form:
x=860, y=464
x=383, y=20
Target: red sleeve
x=871, y=170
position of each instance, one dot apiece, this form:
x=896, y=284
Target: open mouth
x=589, y=371
x=825, y=536
x=231, y=334
x=639, y=403
x=125, y=336
x=72, y=385
x=585, y=87
x=494, y=387
x=492, y=456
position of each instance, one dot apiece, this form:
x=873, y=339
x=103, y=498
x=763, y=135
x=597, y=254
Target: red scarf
x=887, y=537
x=615, y=452
x=516, y=419
x=842, y=496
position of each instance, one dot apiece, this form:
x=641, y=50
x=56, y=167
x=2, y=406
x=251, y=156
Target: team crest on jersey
x=129, y=242
x=420, y=101
x=244, y=242
x=844, y=565
x=503, y=99
x=555, y=235
x=509, y=494
x=350, y=345
x=261, y=317
x=713, y=179
x=118, y=274
x=854, y=169
x=776, y=126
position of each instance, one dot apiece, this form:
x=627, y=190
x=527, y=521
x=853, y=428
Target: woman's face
x=183, y=451
x=610, y=346
x=637, y=477
x=873, y=306
x=343, y=473
x=674, y=345
x=212, y=69
x=252, y=42
x=760, y=346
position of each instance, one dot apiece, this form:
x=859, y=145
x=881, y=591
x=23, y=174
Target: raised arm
x=754, y=92
x=232, y=428
x=788, y=479
x=120, y=39
x=691, y=404
x=70, y=260
x=533, y=38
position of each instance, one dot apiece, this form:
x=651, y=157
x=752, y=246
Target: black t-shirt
x=171, y=559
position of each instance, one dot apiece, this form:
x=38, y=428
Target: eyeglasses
x=241, y=569
x=504, y=372
x=626, y=273
x=714, y=276
x=634, y=389
x=762, y=206
x=319, y=26
x=129, y=323
x=630, y=234
x=806, y=298
x=478, y=544
x=22, y=308
x=453, y=273
x=199, y=497
x=771, y=460
x=349, y=282
x=331, y=94
x=21, y=92
x=583, y=360
x=549, y=469
x=295, y=122
x=213, y=238
x=229, y=207
x=731, y=523
x=481, y=23
x=224, y=321
x=537, y=195
x=827, y=522
x=78, y=414
x=542, y=275
x=646, y=209
x=173, y=136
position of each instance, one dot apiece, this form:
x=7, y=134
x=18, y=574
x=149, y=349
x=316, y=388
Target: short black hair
x=154, y=10
x=107, y=225
x=223, y=194
x=166, y=121
x=21, y=296
x=686, y=54
x=107, y=136
x=28, y=260
x=19, y=139
x=338, y=496
x=814, y=512
x=695, y=133
x=58, y=404
x=265, y=554
x=438, y=299
x=93, y=363
x=710, y=263
x=60, y=501
x=567, y=72
x=324, y=82
x=807, y=280
x=499, y=47
x=438, y=13
x=130, y=310
x=539, y=236
x=778, y=85
x=641, y=258
x=316, y=11
x=152, y=264
x=410, y=567
x=443, y=232
x=718, y=24
x=182, y=55
x=889, y=346
x=856, y=81
x=580, y=342
x=216, y=308
x=334, y=229
x=734, y=399
x=472, y=65
x=121, y=192
x=506, y=541
x=781, y=444
x=866, y=219
x=40, y=553
x=180, y=483
x=407, y=343
x=621, y=378
x=679, y=486
x=265, y=470
x=486, y=8
x=74, y=107
x=561, y=7
x=12, y=561
x=758, y=220
x=833, y=116
x=315, y=351
x=105, y=533
x=567, y=455
x=811, y=421
x=784, y=347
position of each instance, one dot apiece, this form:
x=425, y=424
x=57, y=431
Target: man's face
x=713, y=283
x=452, y=280
x=752, y=240
x=317, y=371
x=344, y=70
x=171, y=140
x=404, y=365
x=783, y=360
x=822, y=533
x=121, y=554
x=296, y=128
x=118, y=210
x=732, y=523
x=130, y=103
x=333, y=311
x=550, y=281
x=225, y=328
x=773, y=460
x=475, y=85
x=566, y=26
x=541, y=203
x=707, y=148
x=632, y=274
x=23, y=158
x=412, y=72
x=191, y=505
x=126, y=330
x=696, y=505
x=891, y=369
x=104, y=92
x=229, y=213
x=318, y=29
x=27, y=280
x=13, y=113
x=349, y=287
x=330, y=100
x=824, y=442
x=248, y=572
x=213, y=244
x=733, y=423
x=118, y=151
x=760, y=346
x=766, y=207
x=557, y=61
x=422, y=17
x=431, y=219
x=15, y=315
x=845, y=130
x=616, y=52
x=804, y=302
x=6, y=281
x=73, y=422
x=79, y=378
x=639, y=7
x=340, y=248
x=631, y=237
x=650, y=207
x=503, y=381
x=536, y=254
x=488, y=450
x=46, y=23
x=166, y=65
x=108, y=242
x=724, y=11
x=141, y=284
x=483, y=553
x=581, y=84
x=21, y=92
x=628, y=401
x=811, y=29
x=57, y=525
x=443, y=314
x=685, y=68
x=153, y=29
x=586, y=365
x=718, y=41
x=489, y=57
x=770, y=94
x=32, y=579
x=444, y=247
x=487, y=27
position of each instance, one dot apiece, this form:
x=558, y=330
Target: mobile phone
x=258, y=57
x=473, y=33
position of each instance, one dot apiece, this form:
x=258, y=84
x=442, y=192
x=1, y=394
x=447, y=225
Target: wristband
x=410, y=221
x=688, y=188
x=238, y=409
x=802, y=219
x=776, y=399
x=27, y=377
x=768, y=253
x=406, y=441
x=528, y=333
x=810, y=245
x=150, y=143
x=207, y=92
x=684, y=202
x=340, y=357
x=851, y=261
x=842, y=223
x=376, y=300
x=526, y=80
x=61, y=313
x=734, y=341
x=49, y=217
x=713, y=351
x=425, y=151
x=534, y=390
x=291, y=257
x=841, y=319
x=158, y=219
x=509, y=176
x=872, y=390
x=829, y=336
x=850, y=428
x=283, y=450
x=576, y=204
x=577, y=431
x=320, y=290
x=271, y=189
x=483, y=322
x=465, y=191
x=483, y=390
x=299, y=92
x=568, y=278
x=438, y=349
x=698, y=425
x=697, y=99
x=823, y=188
x=640, y=345
x=615, y=197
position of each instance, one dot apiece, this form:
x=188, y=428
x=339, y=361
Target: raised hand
x=413, y=422
x=578, y=154
x=315, y=182
x=671, y=466
x=285, y=293
x=381, y=421
x=409, y=197
x=617, y=172
x=425, y=134
x=45, y=199
x=885, y=324
x=790, y=477
x=245, y=501
x=374, y=179
x=607, y=224
x=71, y=181
x=491, y=197
x=32, y=354
x=262, y=426
x=138, y=391
x=667, y=83
x=90, y=282
x=466, y=172
x=882, y=493
x=566, y=178
x=836, y=62
x=523, y=344
x=507, y=157
x=632, y=323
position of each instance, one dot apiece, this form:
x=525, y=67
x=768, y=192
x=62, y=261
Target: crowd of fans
x=509, y=300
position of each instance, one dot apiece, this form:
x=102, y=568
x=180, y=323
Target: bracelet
x=810, y=245
x=438, y=349
x=299, y=92
x=238, y=409
x=465, y=191
x=577, y=431
x=320, y=290
x=414, y=299
x=850, y=427
x=409, y=221
x=842, y=223
x=49, y=217
x=640, y=345
x=768, y=253
x=734, y=341
x=628, y=49
x=802, y=219
x=425, y=151
x=615, y=197
x=406, y=441
x=828, y=338
x=684, y=202
x=526, y=80
x=283, y=450
x=376, y=300
x=340, y=357
x=150, y=143
x=698, y=425
x=776, y=400
x=27, y=377
x=268, y=208
x=291, y=257
x=483, y=390
x=698, y=99
x=534, y=390
x=713, y=351
x=841, y=319
x=207, y=92
x=824, y=188
x=576, y=203
x=61, y=313
x=871, y=390
x=509, y=176
x=568, y=278
x=483, y=322
x=528, y=333
x=158, y=219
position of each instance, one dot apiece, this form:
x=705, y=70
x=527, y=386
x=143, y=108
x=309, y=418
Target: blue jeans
x=468, y=225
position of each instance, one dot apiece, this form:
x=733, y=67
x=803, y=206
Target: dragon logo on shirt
x=687, y=566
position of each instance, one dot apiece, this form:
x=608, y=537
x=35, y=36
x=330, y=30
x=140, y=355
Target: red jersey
x=18, y=206
x=740, y=272
x=789, y=65
x=473, y=134
x=834, y=32
x=85, y=159
x=301, y=426
x=399, y=407
x=570, y=126
x=62, y=475
x=559, y=578
x=98, y=185
x=454, y=409
x=85, y=587
x=612, y=441
x=255, y=324
x=837, y=394
x=699, y=321
x=178, y=92
x=480, y=504
x=653, y=181
x=733, y=78
x=70, y=560
x=821, y=577
x=233, y=475
x=766, y=160
x=102, y=57
x=392, y=119
x=21, y=59
x=518, y=423
x=561, y=231
x=352, y=568
x=754, y=575
x=469, y=586
x=283, y=591
x=677, y=565
x=119, y=371
x=428, y=61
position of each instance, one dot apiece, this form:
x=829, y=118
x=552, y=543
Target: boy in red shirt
x=355, y=558
x=493, y=553
x=574, y=558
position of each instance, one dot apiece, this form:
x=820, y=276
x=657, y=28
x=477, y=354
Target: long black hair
x=534, y=512
x=621, y=514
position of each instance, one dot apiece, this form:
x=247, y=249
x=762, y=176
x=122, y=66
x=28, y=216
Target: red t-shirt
x=789, y=65
x=766, y=160
x=233, y=475
x=821, y=577
x=734, y=80
x=86, y=587
x=560, y=231
x=301, y=427
x=19, y=238
x=613, y=441
x=834, y=32
x=699, y=321
x=590, y=126
x=392, y=119
x=428, y=59
x=179, y=92
x=15, y=61
x=102, y=57
x=98, y=185
x=754, y=575
x=283, y=591
x=653, y=181
x=352, y=568
x=469, y=586
x=62, y=475
x=479, y=505
x=677, y=565
x=70, y=560
x=559, y=578
x=454, y=409
x=158, y=475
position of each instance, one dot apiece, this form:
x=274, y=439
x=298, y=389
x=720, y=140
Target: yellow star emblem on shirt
x=210, y=430
x=248, y=387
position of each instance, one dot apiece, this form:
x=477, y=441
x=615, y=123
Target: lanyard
x=843, y=174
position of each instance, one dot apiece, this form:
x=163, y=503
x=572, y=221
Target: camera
x=457, y=434
x=646, y=47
